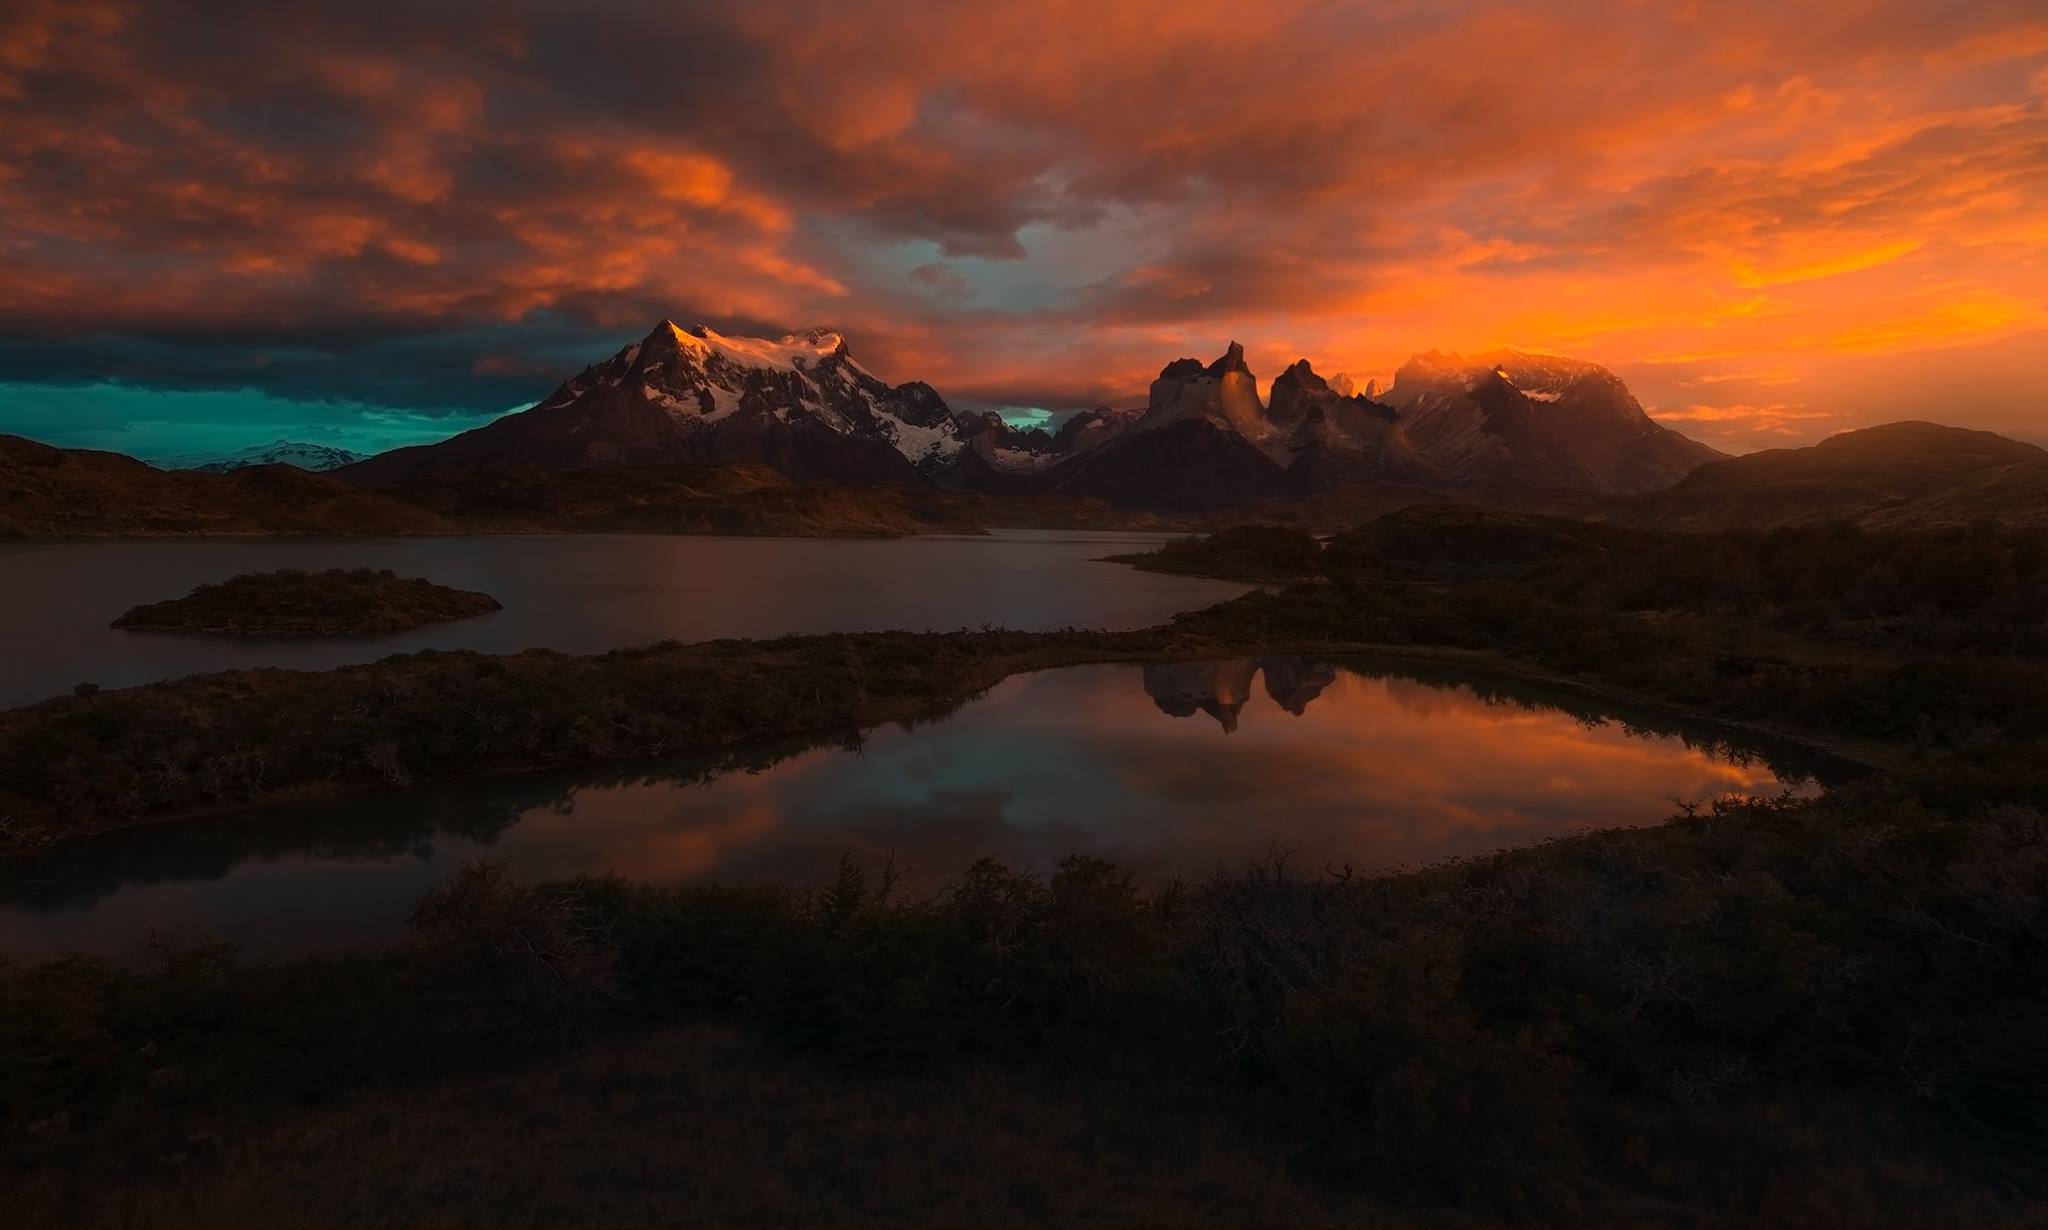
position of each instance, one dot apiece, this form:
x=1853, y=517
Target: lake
x=574, y=593
x=1171, y=769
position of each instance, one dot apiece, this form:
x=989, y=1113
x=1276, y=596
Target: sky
x=226, y=221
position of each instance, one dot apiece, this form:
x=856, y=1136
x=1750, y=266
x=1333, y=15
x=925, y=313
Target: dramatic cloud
x=415, y=214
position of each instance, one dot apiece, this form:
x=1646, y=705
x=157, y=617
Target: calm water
x=577, y=594
x=1170, y=769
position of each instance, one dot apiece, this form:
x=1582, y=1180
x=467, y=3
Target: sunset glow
x=382, y=223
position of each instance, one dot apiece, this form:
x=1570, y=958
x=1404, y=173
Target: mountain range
x=691, y=431
x=804, y=406
x=312, y=458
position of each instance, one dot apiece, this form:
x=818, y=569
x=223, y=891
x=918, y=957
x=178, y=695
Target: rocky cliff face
x=1205, y=441
x=1224, y=393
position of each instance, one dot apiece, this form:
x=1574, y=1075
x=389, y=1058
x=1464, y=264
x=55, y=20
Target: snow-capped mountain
x=278, y=453
x=800, y=403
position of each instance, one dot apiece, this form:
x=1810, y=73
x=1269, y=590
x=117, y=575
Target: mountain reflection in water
x=1220, y=689
x=1368, y=765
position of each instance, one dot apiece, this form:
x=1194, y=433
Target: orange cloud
x=1039, y=203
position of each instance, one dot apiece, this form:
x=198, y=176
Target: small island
x=289, y=602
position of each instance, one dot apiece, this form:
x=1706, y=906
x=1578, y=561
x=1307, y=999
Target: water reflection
x=1220, y=689
x=1363, y=764
x=575, y=593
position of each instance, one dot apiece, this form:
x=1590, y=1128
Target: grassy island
x=337, y=602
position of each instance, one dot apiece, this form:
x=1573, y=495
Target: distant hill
x=52, y=492
x=313, y=457
x=1899, y=476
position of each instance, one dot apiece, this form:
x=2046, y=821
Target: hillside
x=1898, y=476
x=2014, y=495
x=1465, y=542
x=51, y=492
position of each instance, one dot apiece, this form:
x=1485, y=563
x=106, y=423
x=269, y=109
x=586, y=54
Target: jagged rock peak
x=1303, y=376
x=1181, y=369
x=1232, y=361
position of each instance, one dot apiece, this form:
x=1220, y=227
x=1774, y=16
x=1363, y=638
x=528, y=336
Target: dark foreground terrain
x=1783, y=1012
x=1802, y=1013
x=337, y=602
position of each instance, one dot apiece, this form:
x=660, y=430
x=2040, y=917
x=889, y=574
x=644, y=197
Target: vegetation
x=1460, y=543
x=1933, y=638
x=1240, y=553
x=1789, y=1012
x=81, y=764
x=337, y=602
x=1779, y=1011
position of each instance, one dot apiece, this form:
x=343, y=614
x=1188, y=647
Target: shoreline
x=1156, y=644
x=296, y=536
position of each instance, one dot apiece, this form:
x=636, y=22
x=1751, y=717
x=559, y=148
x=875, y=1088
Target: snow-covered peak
x=707, y=381
x=278, y=452
x=790, y=352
